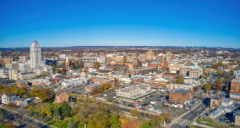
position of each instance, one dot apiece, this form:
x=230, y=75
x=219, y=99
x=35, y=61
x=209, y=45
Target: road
x=187, y=118
x=23, y=120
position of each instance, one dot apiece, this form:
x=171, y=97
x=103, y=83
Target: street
x=187, y=118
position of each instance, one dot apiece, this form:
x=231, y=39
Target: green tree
x=208, y=87
x=180, y=81
x=66, y=109
x=147, y=124
x=97, y=64
x=115, y=123
x=158, y=119
x=22, y=91
x=15, y=90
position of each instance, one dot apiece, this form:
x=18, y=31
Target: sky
x=57, y=23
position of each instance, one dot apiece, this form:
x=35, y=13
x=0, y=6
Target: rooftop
x=237, y=112
x=181, y=90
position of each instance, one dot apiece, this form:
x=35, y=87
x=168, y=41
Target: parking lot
x=151, y=103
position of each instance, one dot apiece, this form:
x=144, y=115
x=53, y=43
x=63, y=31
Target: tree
x=180, y=81
x=105, y=86
x=22, y=91
x=168, y=117
x=192, y=126
x=208, y=87
x=2, y=114
x=135, y=112
x=115, y=123
x=65, y=109
x=44, y=109
x=147, y=124
x=158, y=119
x=97, y=64
x=15, y=90
x=43, y=94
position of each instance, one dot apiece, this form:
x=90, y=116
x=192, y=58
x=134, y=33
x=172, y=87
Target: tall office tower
x=35, y=54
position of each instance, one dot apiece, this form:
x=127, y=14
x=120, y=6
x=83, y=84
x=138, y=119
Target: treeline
x=13, y=90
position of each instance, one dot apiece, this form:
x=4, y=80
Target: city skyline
x=122, y=23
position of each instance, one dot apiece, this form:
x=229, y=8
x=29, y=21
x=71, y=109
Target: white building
x=43, y=69
x=24, y=67
x=27, y=75
x=4, y=72
x=92, y=59
x=7, y=98
x=134, y=92
x=237, y=74
x=74, y=82
x=125, y=80
x=35, y=54
x=13, y=74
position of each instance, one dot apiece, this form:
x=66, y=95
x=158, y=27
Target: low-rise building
x=215, y=101
x=237, y=118
x=27, y=75
x=74, y=82
x=216, y=113
x=161, y=82
x=21, y=83
x=39, y=82
x=180, y=95
x=191, y=71
x=8, y=98
x=235, y=96
x=134, y=92
x=227, y=102
x=21, y=101
x=13, y=65
x=145, y=70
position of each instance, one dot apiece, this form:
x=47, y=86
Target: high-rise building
x=35, y=54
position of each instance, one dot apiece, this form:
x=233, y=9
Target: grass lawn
x=3, y=126
x=74, y=95
x=206, y=122
x=59, y=124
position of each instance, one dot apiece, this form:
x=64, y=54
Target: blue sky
x=213, y=23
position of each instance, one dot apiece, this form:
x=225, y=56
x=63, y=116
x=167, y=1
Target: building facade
x=235, y=86
x=35, y=54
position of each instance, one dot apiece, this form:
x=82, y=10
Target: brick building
x=21, y=83
x=180, y=95
x=6, y=60
x=235, y=86
x=62, y=97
